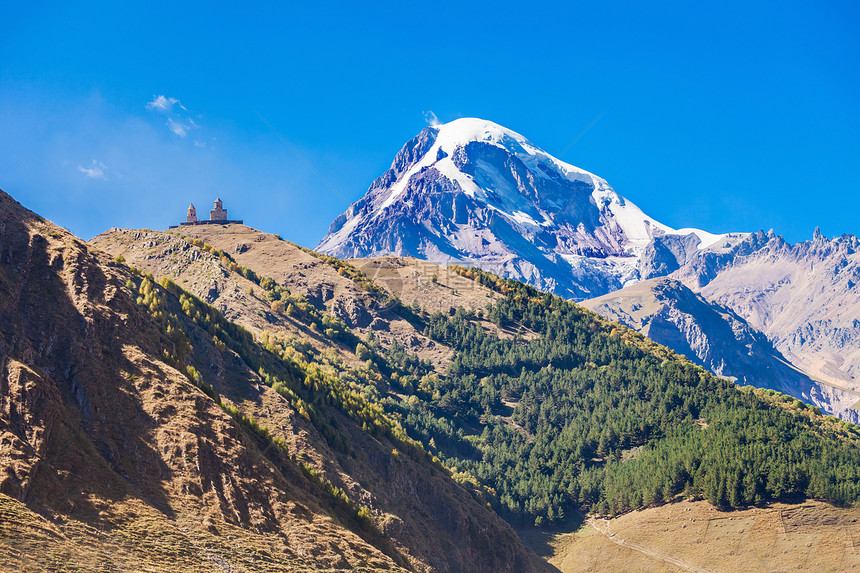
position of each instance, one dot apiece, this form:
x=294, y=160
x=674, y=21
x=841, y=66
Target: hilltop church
x=217, y=215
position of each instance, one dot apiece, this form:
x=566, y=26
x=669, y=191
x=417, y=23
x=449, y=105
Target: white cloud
x=180, y=126
x=95, y=171
x=164, y=104
x=198, y=143
x=431, y=119
x=179, y=120
x=177, y=127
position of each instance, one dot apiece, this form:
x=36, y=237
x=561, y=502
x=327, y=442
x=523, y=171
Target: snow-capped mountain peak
x=457, y=134
x=474, y=191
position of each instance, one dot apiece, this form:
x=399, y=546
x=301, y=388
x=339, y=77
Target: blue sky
x=733, y=117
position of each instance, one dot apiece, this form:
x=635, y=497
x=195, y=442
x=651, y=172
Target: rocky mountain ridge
x=804, y=297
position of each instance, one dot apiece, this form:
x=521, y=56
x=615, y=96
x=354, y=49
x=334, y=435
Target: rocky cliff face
x=717, y=338
x=472, y=191
x=116, y=432
x=803, y=297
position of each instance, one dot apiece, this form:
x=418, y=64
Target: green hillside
x=574, y=413
x=610, y=421
x=543, y=406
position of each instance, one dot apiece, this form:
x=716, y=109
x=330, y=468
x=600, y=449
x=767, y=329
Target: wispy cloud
x=431, y=119
x=164, y=104
x=181, y=127
x=96, y=170
x=179, y=120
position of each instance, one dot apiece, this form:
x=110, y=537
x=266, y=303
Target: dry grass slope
x=140, y=539
x=693, y=536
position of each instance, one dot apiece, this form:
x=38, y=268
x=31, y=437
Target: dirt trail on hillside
x=695, y=536
x=604, y=530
